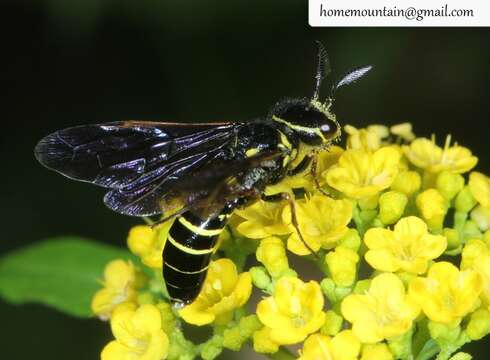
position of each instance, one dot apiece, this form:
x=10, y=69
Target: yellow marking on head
x=198, y=230
x=188, y=250
x=251, y=152
x=301, y=128
x=187, y=272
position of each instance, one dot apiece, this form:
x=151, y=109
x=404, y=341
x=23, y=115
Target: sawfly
x=197, y=173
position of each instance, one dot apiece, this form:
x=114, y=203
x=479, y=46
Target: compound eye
x=329, y=128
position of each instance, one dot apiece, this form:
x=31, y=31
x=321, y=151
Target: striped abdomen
x=187, y=252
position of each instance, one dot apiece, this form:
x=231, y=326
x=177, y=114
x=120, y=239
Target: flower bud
x=272, y=253
x=479, y=185
x=481, y=216
x=351, y=240
x=391, y=206
x=333, y=323
x=212, y=348
x=260, y=278
x=168, y=317
x=479, y=325
x=263, y=343
x=328, y=288
x=433, y=207
x=464, y=200
x=342, y=263
x=366, y=139
x=449, y=184
x=471, y=230
x=233, y=338
x=368, y=203
x=453, y=239
x=362, y=286
x=403, y=130
x=407, y=182
x=443, y=333
x=461, y=356
x=140, y=238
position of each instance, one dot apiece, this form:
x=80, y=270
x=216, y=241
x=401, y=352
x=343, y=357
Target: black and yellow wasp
x=196, y=173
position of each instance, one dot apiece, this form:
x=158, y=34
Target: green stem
x=356, y=216
x=282, y=354
x=429, y=350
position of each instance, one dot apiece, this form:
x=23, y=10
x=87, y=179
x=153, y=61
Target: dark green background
x=74, y=62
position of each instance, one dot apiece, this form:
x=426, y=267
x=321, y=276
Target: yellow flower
x=121, y=281
x=365, y=139
x=272, y=253
x=376, y=352
x=293, y=312
x=138, y=333
x=383, y=312
x=407, y=182
x=148, y=243
x=322, y=221
x=446, y=294
x=476, y=256
x=479, y=185
x=262, y=219
x=360, y=174
x=433, y=207
x=223, y=291
x=425, y=154
x=403, y=130
x=342, y=264
x=409, y=247
x=343, y=346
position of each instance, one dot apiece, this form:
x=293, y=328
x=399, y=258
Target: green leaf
x=63, y=273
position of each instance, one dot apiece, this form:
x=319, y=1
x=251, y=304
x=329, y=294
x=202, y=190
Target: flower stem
x=428, y=351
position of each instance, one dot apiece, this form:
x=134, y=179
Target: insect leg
x=294, y=219
x=314, y=163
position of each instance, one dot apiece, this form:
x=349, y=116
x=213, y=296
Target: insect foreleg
x=314, y=174
x=294, y=220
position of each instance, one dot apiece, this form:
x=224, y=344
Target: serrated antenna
x=322, y=69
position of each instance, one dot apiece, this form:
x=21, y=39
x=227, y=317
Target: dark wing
x=141, y=161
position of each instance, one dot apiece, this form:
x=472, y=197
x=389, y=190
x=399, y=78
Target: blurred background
x=66, y=63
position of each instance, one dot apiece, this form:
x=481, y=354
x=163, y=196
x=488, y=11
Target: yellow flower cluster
x=371, y=229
